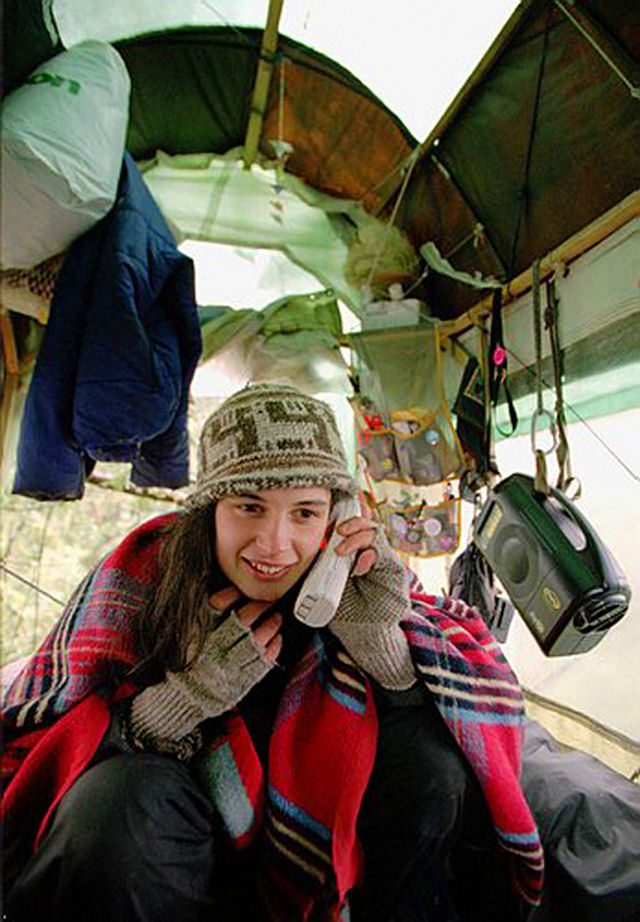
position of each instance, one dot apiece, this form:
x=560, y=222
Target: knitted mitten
x=228, y=666
x=367, y=621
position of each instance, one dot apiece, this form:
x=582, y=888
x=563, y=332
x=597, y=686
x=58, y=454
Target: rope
x=541, y=484
x=563, y=455
x=31, y=585
x=281, y=101
x=226, y=22
x=398, y=168
x=616, y=457
x=413, y=159
x=532, y=130
x=633, y=90
x=537, y=334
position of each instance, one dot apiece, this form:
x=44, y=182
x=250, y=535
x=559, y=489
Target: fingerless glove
x=228, y=666
x=367, y=621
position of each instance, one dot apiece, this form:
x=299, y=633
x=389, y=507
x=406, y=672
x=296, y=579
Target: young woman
x=183, y=747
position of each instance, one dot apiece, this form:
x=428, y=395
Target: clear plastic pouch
x=418, y=521
x=421, y=530
x=375, y=445
x=428, y=531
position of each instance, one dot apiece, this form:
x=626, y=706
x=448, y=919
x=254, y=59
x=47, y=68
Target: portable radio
x=557, y=572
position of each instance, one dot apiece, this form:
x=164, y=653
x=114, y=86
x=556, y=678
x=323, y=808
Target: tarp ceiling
x=543, y=139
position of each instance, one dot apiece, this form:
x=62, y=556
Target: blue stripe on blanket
x=298, y=815
x=519, y=838
x=343, y=698
x=484, y=717
x=227, y=791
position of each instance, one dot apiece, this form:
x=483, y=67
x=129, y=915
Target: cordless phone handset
x=322, y=590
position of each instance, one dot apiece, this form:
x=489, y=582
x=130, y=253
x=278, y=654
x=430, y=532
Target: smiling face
x=266, y=541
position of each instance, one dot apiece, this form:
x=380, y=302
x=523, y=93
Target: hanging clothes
x=111, y=381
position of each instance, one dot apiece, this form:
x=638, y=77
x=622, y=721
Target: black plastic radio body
x=558, y=573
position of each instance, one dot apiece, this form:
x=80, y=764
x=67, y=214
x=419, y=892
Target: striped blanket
x=303, y=816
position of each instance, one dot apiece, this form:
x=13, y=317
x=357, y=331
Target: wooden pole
x=263, y=81
x=498, y=46
x=9, y=389
x=11, y=361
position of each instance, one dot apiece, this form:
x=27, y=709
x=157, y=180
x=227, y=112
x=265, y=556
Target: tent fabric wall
x=192, y=90
x=39, y=39
x=599, y=331
x=529, y=173
x=217, y=199
x=494, y=187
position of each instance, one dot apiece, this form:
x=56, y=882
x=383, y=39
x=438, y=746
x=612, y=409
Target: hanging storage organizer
x=406, y=439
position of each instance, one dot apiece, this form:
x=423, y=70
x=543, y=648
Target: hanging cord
x=524, y=192
x=633, y=89
x=282, y=148
x=497, y=366
x=490, y=462
x=413, y=159
x=31, y=585
x=421, y=278
x=398, y=168
x=606, y=447
x=565, y=478
x=281, y=100
x=541, y=483
x=225, y=22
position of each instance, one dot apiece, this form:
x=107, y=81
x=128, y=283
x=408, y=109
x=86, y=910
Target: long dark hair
x=175, y=622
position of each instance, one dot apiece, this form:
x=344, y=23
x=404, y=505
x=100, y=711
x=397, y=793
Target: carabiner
x=536, y=416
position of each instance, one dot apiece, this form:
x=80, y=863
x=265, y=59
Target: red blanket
x=323, y=741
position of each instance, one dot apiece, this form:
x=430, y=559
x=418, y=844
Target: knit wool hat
x=268, y=436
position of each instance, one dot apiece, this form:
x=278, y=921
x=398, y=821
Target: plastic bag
x=63, y=136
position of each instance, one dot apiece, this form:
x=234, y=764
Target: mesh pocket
x=421, y=530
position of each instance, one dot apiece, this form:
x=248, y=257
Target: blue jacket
x=111, y=380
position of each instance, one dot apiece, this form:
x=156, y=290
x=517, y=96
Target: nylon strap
x=497, y=364
x=565, y=478
x=541, y=483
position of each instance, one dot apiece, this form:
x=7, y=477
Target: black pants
x=431, y=854
x=136, y=840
